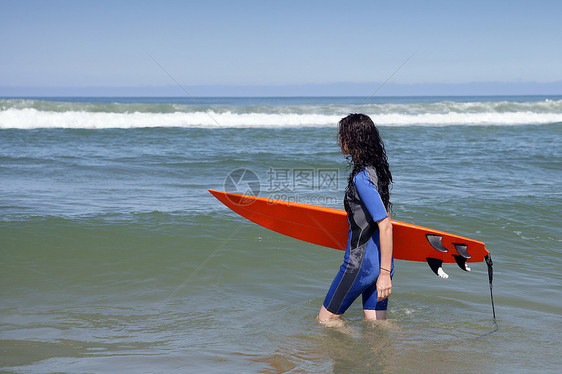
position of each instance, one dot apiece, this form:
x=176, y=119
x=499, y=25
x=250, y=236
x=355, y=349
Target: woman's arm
x=384, y=284
x=372, y=200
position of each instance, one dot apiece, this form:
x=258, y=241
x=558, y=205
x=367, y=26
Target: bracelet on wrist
x=385, y=269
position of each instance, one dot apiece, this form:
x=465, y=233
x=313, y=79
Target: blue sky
x=81, y=44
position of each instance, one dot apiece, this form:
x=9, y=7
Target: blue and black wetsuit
x=361, y=267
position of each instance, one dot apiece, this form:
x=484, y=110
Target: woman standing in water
x=368, y=267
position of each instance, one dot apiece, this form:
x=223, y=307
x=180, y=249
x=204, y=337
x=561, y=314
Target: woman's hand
x=384, y=285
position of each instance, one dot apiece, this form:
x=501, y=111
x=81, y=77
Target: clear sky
x=211, y=42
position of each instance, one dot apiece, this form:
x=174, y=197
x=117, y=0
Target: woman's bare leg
x=326, y=317
x=374, y=315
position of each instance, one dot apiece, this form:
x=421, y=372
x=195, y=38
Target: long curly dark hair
x=360, y=140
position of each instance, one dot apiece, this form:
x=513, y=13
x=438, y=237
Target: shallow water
x=115, y=258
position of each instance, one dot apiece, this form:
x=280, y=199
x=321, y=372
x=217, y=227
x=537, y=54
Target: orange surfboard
x=328, y=227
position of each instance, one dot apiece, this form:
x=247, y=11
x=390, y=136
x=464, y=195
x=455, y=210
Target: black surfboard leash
x=490, y=264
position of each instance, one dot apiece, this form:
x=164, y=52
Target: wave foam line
x=30, y=118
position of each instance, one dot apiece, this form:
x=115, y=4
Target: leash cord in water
x=490, y=264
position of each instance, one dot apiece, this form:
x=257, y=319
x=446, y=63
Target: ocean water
x=115, y=258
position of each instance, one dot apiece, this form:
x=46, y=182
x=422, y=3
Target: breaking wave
x=32, y=114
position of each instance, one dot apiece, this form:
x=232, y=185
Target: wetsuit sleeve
x=370, y=196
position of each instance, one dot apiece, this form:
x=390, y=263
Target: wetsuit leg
x=370, y=297
x=354, y=276
x=345, y=288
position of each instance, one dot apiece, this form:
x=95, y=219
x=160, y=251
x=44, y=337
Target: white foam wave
x=30, y=118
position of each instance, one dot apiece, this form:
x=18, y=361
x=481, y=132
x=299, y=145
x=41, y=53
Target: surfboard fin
x=435, y=241
x=437, y=266
x=461, y=261
x=462, y=250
